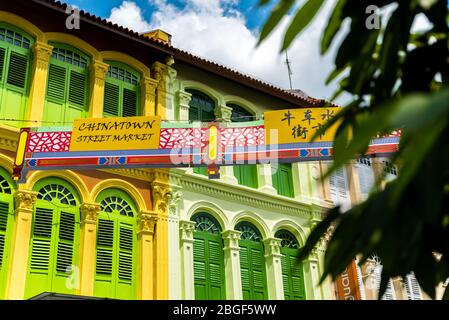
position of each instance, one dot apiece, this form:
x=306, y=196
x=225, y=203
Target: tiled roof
x=186, y=57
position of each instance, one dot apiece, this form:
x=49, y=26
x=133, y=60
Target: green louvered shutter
x=66, y=242
x=246, y=175
x=56, y=83
x=78, y=88
x=292, y=275
x=105, y=243
x=129, y=103
x=111, y=99
x=2, y=63
x=199, y=268
x=258, y=272
x=4, y=211
x=17, y=70
x=216, y=268
x=41, y=240
x=245, y=273
x=282, y=180
x=125, y=288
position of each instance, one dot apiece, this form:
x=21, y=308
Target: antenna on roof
x=289, y=69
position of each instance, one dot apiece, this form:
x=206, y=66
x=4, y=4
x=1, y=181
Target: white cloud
x=129, y=15
x=215, y=30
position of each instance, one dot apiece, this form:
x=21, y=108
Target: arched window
x=208, y=260
x=292, y=269
x=121, y=91
x=7, y=187
x=54, y=237
x=201, y=107
x=245, y=174
x=283, y=179
x=15, y=57
x=67, y=85
x=116, y=254
x=252, y=262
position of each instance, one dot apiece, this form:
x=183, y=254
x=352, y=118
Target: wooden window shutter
x=286, y=278
x=4, y=211
x=216, y=270
x=339, y=189
x=282, y=180
x=41, y=239
x=245, y=272
x=297, y=278
x=2, y=63
x=105, y=242
x=366, y=176
x=199, y=268
x=64, y=258
x=17, y=70
x=129, y=103
x=78, y=88
x=258, y=266
x=111, y=99
x=412, y=287
x=56, y=83
x=389, y=293
x=126, y=248
x=194, y=113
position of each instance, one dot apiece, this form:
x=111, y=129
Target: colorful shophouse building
x=144, y=233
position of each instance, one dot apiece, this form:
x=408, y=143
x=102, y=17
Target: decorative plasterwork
x=146, y=221
x=187, y=228
x=42, y=52
x=173, y=202
x=231, y=239
x=140, y=174
x=243, y=195
x=99, y=69
x=272, y=247
x=161, y=194
x=8, y=138
x=89, y=212
x=24, y=200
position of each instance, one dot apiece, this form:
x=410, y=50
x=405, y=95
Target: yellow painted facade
x=150, y=197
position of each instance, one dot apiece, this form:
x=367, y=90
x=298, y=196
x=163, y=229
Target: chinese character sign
x=115, y=134
x=300, y=125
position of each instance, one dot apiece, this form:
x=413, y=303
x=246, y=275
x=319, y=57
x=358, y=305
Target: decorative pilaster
x=223, y=113
x=165, y=75
x=264, y=173
x=42, y=53
x=149, y=86
x=183, y=99
x=20, y=245
x=89, y=215
x=186, y=230
x=146, y=222
x=174, y=254
x=274, y=268
x=232, y=264
x=354, y=183
x=98, y=70
x=161, y=195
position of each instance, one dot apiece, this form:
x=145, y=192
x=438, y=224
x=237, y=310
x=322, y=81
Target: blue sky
x=226, y=31
x=254, y=16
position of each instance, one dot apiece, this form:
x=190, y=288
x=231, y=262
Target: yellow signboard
x=299, y=125
x=129, y=133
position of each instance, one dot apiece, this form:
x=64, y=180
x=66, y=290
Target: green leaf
x=333, y=26
x=301, y=20
x=279, y=11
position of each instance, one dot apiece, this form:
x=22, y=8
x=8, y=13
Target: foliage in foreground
x=397, y=80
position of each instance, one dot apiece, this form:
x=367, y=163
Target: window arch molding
x=293, y=228
x=65, y=175
x=75, y=42
x=212, y=209
x=128, y=60
x=24, y=24
x=255, y=220
x=127, y=204
x=205, y=89
x=124, y=186
x=51, y=186
x=243, y=103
